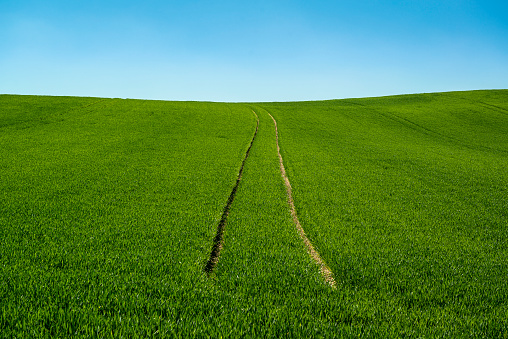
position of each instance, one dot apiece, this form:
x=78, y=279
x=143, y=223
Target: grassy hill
x=109, y=208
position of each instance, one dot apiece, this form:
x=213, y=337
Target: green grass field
x=109, y=208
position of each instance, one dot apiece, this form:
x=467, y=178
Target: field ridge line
x=326, y=272
x=218, y=240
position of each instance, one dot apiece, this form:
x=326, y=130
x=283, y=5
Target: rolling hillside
x=109, y=209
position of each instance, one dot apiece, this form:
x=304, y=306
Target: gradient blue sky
x=278, y=50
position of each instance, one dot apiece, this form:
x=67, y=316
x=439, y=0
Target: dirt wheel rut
x=323, y=268
x=218, y=240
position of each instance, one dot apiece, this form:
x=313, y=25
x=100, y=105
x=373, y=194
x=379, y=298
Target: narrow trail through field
x=323, y=268
x=218, y=240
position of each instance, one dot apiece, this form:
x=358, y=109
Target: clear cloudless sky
x=257, y=50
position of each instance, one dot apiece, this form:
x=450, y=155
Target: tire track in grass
x=218, y=240
x=323, y=268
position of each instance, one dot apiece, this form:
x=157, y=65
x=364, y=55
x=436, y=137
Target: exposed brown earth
x=218, y=240
x=323, y=268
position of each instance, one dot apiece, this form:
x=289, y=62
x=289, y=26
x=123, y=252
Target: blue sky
x=277, y=50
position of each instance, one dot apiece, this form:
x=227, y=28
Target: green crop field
x=110, y=208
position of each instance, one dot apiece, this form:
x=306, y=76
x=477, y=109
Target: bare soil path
x=323, y=268
x=218, y=240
